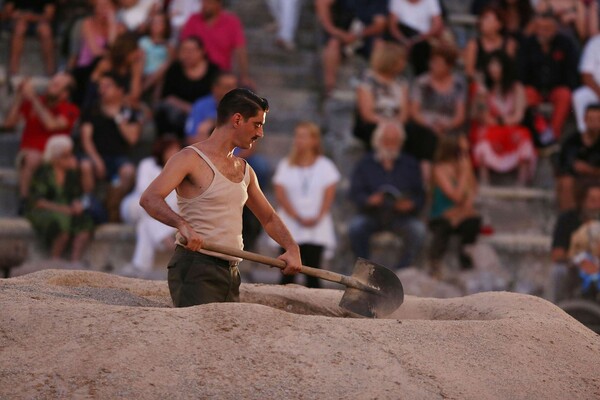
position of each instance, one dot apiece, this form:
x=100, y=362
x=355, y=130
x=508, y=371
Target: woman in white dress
x=151, y=235
x=305, y=184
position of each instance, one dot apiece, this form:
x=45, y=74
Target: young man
x=212, y=187
x=108, y=131
x=44, y=116
x=547, y=66
x=579, y=158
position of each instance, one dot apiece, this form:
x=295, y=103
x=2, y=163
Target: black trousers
x=311, y=255
x=441, y=229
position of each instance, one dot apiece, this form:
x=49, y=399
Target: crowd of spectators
x=435, y=120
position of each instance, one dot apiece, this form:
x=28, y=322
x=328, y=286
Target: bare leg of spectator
x=565, y=192
x=32, y=159
x=44, y=31
x=484, y=175
x=561, y=100
x=523, y=173
x=332, y=57
x=59, y=245
x=88, y=180
x=79, y=244
x=16, y=45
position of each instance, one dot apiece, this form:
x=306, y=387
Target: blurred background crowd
x=438, y=116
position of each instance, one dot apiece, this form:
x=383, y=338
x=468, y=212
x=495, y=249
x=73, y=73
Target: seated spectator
x=44, y=116
x=203, y=117
x=189, y=78
x=452, y=205
x=286, y=14
x=55, y=209
x=589, y=93
x=179, y=12
x=564, y=276
x=150, y=233
x=338, y=19
x=108, y=131
x=97, y=32
x=124, y=59
x=387, y=188
x=27, y=16
x=305, y=183
x=578, y=18
x=437, y=104
x=579, y=158
x=158, y=52
x=223, y=37
x=491, y=38
x=500, y=141
x=518, y=18
x=413, y=23
x=382, y=93
x=547, y=63
x=135, y=14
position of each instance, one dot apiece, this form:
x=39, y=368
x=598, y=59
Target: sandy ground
x=81, y=334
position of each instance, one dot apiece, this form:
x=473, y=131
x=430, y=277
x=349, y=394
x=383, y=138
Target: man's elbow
x=146, y=201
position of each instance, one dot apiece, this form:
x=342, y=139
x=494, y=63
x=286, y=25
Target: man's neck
x=219, y=143
x=211, y=18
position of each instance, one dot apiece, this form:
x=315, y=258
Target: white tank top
x=216, y=214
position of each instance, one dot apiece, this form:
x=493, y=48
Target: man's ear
x=236, y=119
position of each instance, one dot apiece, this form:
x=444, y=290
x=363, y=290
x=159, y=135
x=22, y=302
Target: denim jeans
x=411, y=230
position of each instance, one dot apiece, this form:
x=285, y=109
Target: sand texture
x=81, y=334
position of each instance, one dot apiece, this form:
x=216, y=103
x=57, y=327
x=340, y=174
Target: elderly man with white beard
x=387, y=188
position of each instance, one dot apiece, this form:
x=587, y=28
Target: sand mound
x=78, y=334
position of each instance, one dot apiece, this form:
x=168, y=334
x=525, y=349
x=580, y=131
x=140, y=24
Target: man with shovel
x=212, y=187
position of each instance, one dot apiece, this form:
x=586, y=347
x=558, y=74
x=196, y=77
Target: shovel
x=372, y=291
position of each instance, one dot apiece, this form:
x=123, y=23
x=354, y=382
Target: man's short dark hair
x=592, y=107
x=242, y=101
x=120, y=81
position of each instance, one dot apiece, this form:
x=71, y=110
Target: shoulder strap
x=204, y=157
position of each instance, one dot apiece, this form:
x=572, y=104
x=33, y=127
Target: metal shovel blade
x=385, y=299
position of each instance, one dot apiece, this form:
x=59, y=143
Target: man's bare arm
x=153, y=198
x=273, y=225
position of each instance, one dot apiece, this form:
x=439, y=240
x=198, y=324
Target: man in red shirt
x=44, y=116
x=223, y=37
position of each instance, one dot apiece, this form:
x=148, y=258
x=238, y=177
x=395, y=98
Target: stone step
x=9, y=147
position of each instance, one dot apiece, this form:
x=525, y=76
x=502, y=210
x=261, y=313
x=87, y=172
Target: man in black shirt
x=547, y=65
x=108, y=131
x=579, y=158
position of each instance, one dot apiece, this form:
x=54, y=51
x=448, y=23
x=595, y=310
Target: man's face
x=109, y=90
x=210, y=8
x=592, y=123
x=250, y=130
x=391, y=140
x=58, y=85
x=224, y=85
x=545, y=29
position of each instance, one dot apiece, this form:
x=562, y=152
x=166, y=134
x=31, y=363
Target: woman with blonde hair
x=305, y=184
x=382, y=93
x=54, y=209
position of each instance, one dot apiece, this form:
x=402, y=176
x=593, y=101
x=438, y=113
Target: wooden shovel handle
x=275, y=262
